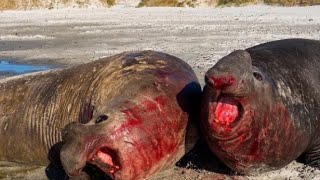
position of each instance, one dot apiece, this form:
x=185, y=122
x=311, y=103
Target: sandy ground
x=199, y=36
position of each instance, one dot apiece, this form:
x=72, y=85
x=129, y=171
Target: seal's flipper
x=312, y=157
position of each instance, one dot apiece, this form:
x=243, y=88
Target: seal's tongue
x=226, y=111
x=105, y=161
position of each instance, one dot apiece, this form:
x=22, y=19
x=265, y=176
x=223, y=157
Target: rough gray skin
x=35, y=108
x=275, y=88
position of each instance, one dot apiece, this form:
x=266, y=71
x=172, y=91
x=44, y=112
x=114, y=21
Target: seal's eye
x=258, y=76
x=101, y=119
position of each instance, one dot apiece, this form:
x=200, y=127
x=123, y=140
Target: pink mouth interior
x=226, y=111
x=104, y=160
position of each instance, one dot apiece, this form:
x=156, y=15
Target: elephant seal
x=261, y=106
x=126, y=114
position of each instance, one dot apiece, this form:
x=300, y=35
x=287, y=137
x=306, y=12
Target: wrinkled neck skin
x=245, y=121
x=34, y=109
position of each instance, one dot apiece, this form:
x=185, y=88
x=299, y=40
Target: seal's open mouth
x=106, y=160
x=227, y=110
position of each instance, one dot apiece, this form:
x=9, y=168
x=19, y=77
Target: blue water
x=13, y=68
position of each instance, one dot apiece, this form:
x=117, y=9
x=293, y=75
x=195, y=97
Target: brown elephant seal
x=261, y=106
x=129, y=111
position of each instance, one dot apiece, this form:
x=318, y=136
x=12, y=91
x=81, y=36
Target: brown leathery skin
x=34, y=108
x=276, y=88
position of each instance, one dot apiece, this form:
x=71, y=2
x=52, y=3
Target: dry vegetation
x=50, y=4
x=236, y=2
x=152, y=3
x=168, y=3
x=30, y=4
x=194, y=3
x=16, y=4
x=293, y=2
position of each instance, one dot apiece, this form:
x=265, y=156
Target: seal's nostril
x=220, y=82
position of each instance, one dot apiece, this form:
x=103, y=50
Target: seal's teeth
x=114, y=168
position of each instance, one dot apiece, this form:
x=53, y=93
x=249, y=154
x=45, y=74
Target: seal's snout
x=220, y=83
x=72, y=129
x=81, y=147
x=73, y=161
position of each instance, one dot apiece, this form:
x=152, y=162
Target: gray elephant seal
x=129, y=111
x=261, y=106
